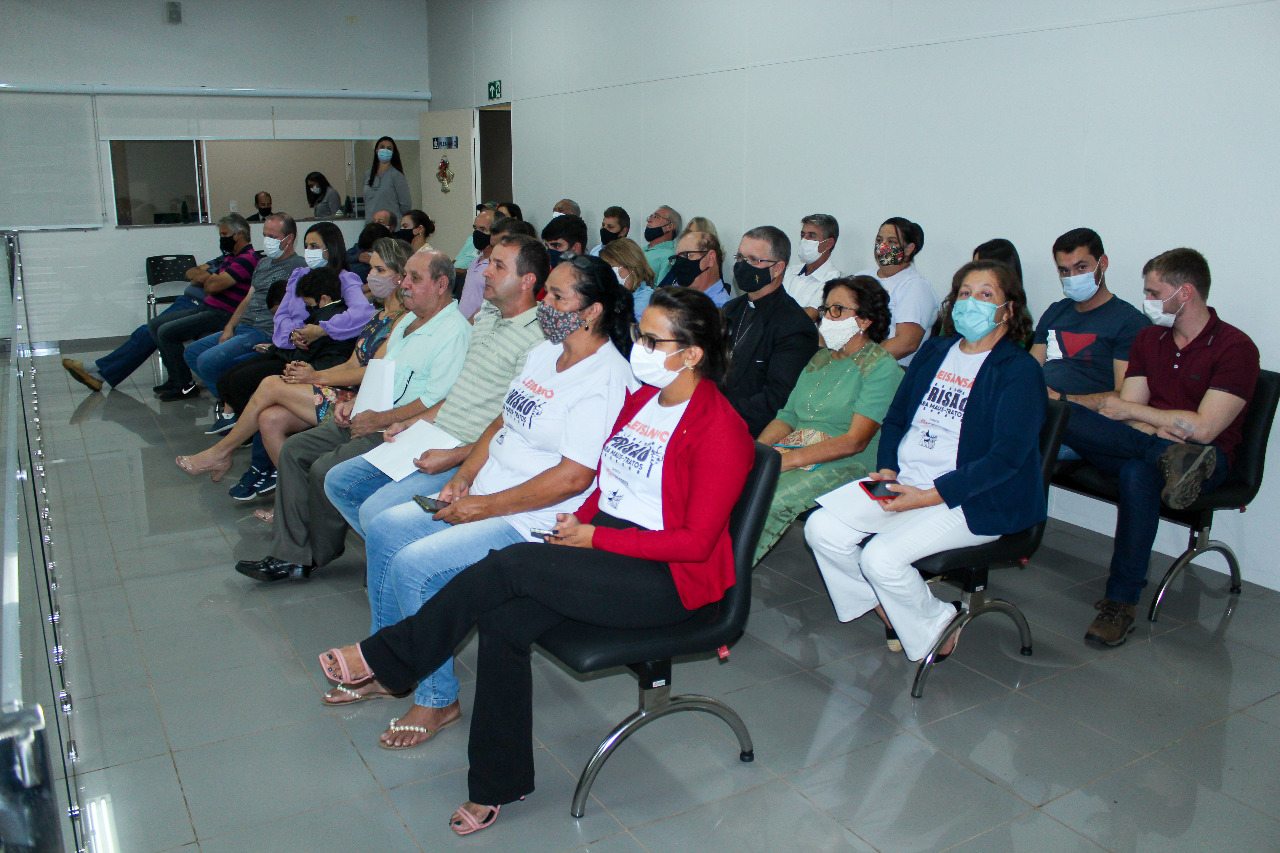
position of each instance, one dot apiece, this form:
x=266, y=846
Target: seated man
x=506, y=329
x=428, y=348
x=564, y=235
x=660, y=232
x=566, y=207
x=771, y=339
x=696, y=264
x=615, y=224
x=224, y=281
x=358, y=255
x=467, y=255
x=1083, y=340
x=1173, y=429
x=262, y=203
x=474, y=286
x=805, y=280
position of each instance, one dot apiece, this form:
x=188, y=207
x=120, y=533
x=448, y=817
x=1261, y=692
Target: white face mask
x=1154, y=309
x=808, y=250
x=271, y=247
x=650, y=367
x=314, y=257
x=621, y=273
x=837, y=333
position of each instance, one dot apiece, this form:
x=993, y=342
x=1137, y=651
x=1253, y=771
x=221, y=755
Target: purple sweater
x=292, y=313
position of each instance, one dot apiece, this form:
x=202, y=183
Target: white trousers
x=858, y=578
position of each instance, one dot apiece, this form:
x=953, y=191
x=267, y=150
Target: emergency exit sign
x=495, y=90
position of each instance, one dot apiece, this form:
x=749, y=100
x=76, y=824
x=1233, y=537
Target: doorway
x=494, y=166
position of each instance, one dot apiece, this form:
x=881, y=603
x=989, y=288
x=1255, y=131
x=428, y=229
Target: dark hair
x=908, y=232
x=372, y=232
x=873, y=302
x=779, y=243
x=288, y=227
x=503, y=225
x=1077, y=237
x=1018, y=321
x=511, y=225
x=594, y=281
x=513, y=210
x=275, y=293
x=1001, y=250
x=696, y=321
x=333, y=244
x=321, y=180
x=566, y=227
x=395, y=159
x=319, y=282
x=420, y=218
x=615, y=212
x=1179, y=267
x=531, y=256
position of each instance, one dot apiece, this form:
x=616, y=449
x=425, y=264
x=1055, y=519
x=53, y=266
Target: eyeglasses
x=689, y=255
x=648, y=342
x=835, y=312
x=758, y=263
x=659, y=217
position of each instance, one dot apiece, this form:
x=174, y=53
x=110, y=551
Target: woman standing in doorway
x=385, y=187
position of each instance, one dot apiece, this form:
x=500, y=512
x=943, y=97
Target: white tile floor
x=197, y=700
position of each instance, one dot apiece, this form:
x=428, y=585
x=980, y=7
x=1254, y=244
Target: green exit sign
x=495, y=90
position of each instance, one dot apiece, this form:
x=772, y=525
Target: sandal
x=266, y=516
x=334, y=659
x=891, y=639
x=430, y=733
x=342, y=694
x=463, y=822
x=940, y=657
x=217, y=471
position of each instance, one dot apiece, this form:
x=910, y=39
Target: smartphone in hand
x=543, y=534
x=878, y=490
x=430, y=505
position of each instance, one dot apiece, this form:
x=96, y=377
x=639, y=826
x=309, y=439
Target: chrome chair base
x=973, y=605
x=1200, y=543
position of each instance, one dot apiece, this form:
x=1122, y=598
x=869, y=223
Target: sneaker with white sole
x=252, y=484
x=222, y=422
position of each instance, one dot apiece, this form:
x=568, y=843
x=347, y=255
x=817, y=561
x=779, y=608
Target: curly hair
x=1018, y=321
x=873, y=302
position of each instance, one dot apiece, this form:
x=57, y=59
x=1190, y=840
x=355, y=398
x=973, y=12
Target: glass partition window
x=157, y=182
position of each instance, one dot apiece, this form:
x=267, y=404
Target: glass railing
x=40, y=808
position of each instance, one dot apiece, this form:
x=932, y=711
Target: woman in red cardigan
x=650, y=545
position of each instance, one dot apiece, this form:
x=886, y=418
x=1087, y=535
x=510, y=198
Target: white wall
x=1152, y=121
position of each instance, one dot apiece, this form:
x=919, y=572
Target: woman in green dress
x=828, y=431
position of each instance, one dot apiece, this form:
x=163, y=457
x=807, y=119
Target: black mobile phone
x=878, y=490
x=543, y=534
x=430, y=505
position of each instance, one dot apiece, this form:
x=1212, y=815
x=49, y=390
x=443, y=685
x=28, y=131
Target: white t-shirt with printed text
x=928, y=449
x=631, y=464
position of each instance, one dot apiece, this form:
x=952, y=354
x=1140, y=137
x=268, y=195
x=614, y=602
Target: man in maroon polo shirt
x=1174, y=427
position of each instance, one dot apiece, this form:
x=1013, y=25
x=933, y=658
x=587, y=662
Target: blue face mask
x=1080, y=288
x=384, y=155
x=556, y=256
x=974, y=319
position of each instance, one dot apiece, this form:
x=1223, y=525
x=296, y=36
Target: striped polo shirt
x=240, y=268
x=498, y=349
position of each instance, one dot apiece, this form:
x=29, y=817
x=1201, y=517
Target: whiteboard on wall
x=49, y=173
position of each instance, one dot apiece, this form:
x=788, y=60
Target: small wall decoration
x=444, y=175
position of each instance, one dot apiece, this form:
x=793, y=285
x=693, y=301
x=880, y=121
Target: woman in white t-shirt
x=960, y=449
x=537, y=459
x=912, y=302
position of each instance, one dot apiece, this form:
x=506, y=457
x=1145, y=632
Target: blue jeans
x=361, y=492
x=1133, y=457
x=411, y=556
x=116, y=365
x=209, y=359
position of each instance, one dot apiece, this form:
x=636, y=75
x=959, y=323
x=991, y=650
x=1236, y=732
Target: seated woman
x=960, y=449
x=324, y=199
x=304, y=396
x=648, y=547
x=632, y=269
x=828, y=432
x=537, y=459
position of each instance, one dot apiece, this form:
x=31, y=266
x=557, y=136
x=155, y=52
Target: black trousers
x=237, y=385
x=514, y=596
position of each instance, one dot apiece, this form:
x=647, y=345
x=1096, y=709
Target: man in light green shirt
x=660, y=233
x=429, y=347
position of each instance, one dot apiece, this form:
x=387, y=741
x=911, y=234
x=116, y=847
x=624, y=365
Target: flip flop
x=335, y=656
x=430, y=733
x=341, y=689
x=464, y=822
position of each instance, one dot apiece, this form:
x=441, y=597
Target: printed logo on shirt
x=614, y=498
x=947, y=396
x=637, y=448
x=523, y=406
x=538, y=389
x=928, y=439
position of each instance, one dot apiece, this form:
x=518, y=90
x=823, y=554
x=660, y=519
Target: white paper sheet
x=395, y=458
x=377, y=389
x=842, y=500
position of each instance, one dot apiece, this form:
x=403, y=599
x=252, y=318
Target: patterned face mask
x=558, y=325
x=888, y=256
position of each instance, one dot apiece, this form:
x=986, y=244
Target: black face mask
x=651, y=233
x=227, y=244
x=607, y=236
x=749, y=278
x=480, y=240
x=264, y=212
x=685, y=270
x=556, y=256
x=405, y=234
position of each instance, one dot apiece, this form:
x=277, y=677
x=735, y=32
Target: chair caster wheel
x=1025, y=651
x=746, y=757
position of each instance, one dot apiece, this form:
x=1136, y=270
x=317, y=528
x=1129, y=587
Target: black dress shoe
x=178, y=392
x=270, y=569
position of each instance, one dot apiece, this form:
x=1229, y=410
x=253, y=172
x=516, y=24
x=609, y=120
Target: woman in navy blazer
x=961, y=443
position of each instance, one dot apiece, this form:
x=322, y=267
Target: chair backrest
x=1251, y=453
x=1051, y=433
x=745, y=525
x=165, y=268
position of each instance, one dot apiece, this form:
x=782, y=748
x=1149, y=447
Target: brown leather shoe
x=79, y=374
x=1112, y=626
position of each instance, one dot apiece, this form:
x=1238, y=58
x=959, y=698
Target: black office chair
x=587, y=648
x=1239, y=489
x=166, y=269
x=968, y=567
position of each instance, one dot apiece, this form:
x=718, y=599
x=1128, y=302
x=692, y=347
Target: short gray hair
x=674, y=218
x=824, y=222
x=779, y=243
x=571, y=205
x=236, y=224
x=440, y=264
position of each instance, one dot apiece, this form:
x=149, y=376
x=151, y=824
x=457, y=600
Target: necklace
x=854, y=365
